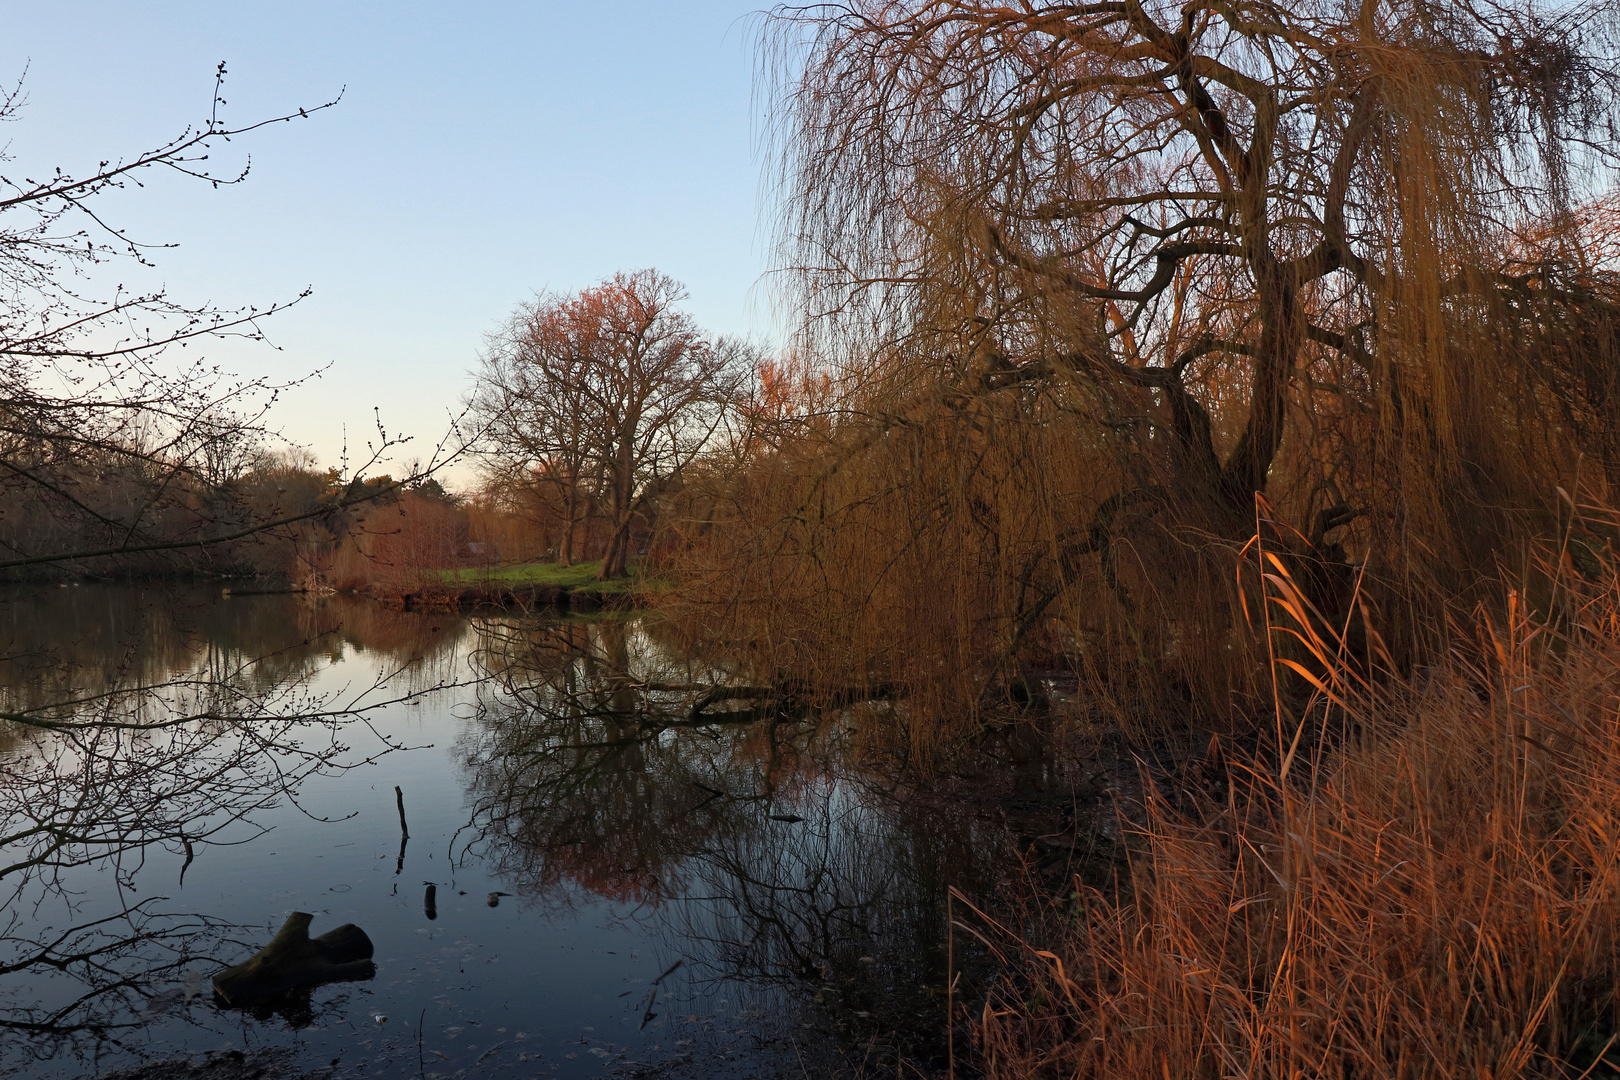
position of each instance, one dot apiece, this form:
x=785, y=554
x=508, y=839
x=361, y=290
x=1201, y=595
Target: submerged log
x=293, y=958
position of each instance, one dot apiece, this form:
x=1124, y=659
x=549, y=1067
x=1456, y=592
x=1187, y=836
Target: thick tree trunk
x=1281, y=336
x=621, y=559
x=615, y=558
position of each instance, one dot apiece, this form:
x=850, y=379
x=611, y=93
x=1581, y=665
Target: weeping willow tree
x=1109, y=288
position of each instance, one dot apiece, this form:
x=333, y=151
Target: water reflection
x=765, y=850
x=68, y=648
x=776, y=863
x=116, y=974
x=137, y=722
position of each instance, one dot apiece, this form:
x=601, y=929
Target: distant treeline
x=114, y=514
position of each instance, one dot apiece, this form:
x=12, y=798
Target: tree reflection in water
x=132, y=722
x=757, y=839
x=791, y=872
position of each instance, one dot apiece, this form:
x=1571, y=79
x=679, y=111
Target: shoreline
x=505, y=597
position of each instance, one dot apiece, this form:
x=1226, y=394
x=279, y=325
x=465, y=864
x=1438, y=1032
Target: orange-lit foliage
x=401, y=546
x=1076, y=314
x=1417, y=878
x=787, y=388
x=515, y=529
x=598, y=402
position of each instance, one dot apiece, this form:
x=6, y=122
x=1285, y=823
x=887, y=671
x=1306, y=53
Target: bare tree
x=614, y=386
x=1106, y=287
x=111, y=444
x=660, y=388
x=112, y=450
x=534, y=411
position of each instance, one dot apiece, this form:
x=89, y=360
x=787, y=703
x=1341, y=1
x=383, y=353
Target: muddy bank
x=519, y=598
x=468, y=598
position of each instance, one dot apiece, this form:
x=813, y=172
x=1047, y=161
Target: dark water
x=719, y=893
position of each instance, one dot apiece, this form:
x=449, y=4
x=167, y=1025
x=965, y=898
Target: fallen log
x=293, y=958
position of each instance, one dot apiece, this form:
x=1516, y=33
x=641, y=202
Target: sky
x=481, y=152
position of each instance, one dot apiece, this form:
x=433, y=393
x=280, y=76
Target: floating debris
x=293, y=958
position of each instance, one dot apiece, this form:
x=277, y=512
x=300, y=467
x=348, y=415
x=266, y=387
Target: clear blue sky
x=482, y=151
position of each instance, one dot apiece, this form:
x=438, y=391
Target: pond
x=630, y=873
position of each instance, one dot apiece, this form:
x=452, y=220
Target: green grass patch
x=580, y=575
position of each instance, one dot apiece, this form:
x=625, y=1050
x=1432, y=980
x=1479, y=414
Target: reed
x=1410, y=877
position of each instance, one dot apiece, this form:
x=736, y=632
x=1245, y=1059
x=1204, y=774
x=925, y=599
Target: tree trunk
x=566, y=555
x=621, y=559
x=1281, y=336
x=613, y=561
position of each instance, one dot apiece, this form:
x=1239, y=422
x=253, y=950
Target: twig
x=399, y=798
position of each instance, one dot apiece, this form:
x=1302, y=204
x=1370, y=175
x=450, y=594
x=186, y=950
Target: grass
x=580, y=575
x=1432, y=889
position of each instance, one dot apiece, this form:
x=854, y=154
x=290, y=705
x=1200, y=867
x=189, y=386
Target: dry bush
x=400, y=546
x=941, y=548
x=1421, y=878
x=513, y=529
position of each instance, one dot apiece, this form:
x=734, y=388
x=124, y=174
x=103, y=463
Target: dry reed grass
x=1421, y=878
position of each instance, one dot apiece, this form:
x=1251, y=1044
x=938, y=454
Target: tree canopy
x=605, y=396
x=1109, y=286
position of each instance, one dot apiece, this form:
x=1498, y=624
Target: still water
x=629, y=878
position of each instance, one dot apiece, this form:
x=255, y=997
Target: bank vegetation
x=1255, y=364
